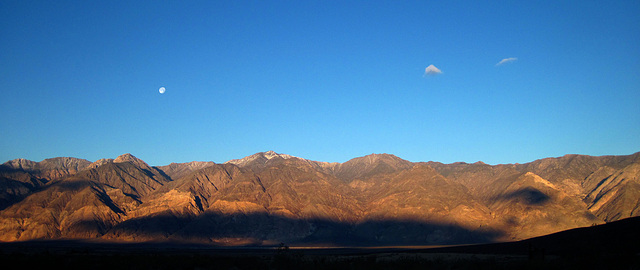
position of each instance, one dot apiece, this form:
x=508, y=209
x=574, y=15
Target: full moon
x=162, y=90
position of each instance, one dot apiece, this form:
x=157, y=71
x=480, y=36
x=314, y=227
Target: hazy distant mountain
x=49, y=169
x=268, y=198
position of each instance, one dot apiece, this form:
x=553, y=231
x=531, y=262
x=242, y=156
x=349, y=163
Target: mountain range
x=270, y=198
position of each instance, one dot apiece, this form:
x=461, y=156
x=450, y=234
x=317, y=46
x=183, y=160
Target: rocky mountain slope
x=20, y=177
x=268, y=198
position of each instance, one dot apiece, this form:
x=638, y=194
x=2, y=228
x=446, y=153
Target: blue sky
x=323, y=80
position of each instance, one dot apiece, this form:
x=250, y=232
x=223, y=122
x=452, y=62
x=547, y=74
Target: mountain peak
x=99, y=163
x=387, y=158
x=125, y=157
x=120, y=159
x=271, y=154
x=130, y=158
x=261, y=157
x=57, y=163
x=366, y=166
x=21, y=164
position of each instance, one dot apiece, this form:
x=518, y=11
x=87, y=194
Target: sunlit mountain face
x=270, y=198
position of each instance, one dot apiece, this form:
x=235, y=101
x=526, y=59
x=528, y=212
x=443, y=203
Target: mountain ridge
x=264, y=198
x=634, y=157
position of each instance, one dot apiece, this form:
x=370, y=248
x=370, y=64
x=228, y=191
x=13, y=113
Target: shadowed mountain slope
x=20, y=177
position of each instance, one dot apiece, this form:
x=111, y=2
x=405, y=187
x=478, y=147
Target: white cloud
x=506, y=60
x=432, y=70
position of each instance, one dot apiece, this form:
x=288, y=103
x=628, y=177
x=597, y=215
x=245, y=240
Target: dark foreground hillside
x=609, y=246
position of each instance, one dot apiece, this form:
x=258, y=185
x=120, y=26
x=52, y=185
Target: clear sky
x=323, y=80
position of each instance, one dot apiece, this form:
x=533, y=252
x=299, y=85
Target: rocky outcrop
x=616, y=194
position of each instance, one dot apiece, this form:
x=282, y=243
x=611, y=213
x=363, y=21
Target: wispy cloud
x=432, y=70
x=506, y=60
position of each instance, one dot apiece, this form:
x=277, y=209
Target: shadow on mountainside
x=528, y=195
x=16, y=184
x=266, y=229
x=13, y=192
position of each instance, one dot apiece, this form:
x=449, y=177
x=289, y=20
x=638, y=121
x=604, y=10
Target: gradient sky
x=323, y=80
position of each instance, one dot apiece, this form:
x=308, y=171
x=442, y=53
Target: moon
x=161, y=90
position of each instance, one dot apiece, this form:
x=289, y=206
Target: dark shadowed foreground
x=308, y=232
x=610, y=246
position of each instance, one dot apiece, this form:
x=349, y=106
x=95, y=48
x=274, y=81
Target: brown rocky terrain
x=268, y=198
